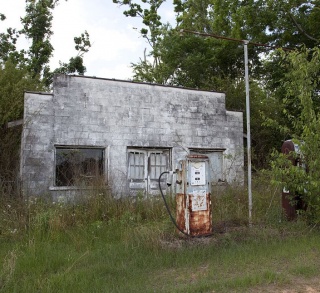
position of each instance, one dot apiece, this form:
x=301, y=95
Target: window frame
x=215, y=177
x=104, y=165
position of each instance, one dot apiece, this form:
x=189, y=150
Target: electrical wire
x=234, y=40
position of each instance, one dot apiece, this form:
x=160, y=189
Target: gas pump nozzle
x=169, y=178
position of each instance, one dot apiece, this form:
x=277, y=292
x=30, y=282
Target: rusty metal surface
x=193, y=209
x=288, y=209
x=291, y=203
x=181, y=212
x=286, y=148
x=194, y=223
x=200, y=222
x=196, y=156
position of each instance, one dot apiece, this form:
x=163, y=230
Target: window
x=78, y=166
x=137, y=165
x=158, y=163
x=145, y=167
x=215, y=163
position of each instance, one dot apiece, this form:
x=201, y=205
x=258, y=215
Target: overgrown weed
x=41, y=218
x=100, y=241
x=230, y=206
x=8, y=268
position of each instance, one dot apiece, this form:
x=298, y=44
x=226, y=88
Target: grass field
x=104, y=245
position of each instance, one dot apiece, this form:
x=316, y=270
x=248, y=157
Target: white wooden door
x=145, y=168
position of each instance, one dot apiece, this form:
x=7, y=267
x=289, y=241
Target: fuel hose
x=168, y=209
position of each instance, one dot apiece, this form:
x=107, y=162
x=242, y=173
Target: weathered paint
x=194, y=218
x=119, y=115
x=288, y=207
x=200, y=221
x=193, y=223
x=181, y=212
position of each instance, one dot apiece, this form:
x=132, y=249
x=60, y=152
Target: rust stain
x=288, y=147
x=197, y=157
x=200, y=221
x=291, y=202
x=193, y=220
x=181, y=209
x=288, y=208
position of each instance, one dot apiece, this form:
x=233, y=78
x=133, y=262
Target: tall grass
x=230, y=204
x=120, y=258
x=38, y=215
x=102, y=244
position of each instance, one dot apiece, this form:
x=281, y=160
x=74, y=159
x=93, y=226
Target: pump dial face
x=198, y=173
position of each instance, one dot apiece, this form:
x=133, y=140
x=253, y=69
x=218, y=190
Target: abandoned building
x=123, y=134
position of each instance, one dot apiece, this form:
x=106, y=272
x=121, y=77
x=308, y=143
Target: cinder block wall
x=87, y=111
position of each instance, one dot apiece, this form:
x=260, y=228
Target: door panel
x=137, y=168
x=158, y=162
x=145, y=168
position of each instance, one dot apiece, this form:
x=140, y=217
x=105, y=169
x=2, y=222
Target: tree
x=302, y=79
x=176, y=57
x=207, y=63
x=13, y=83
x=82, y=45
x=8, y=43
x=31, y=66
x=37, y=24
x=28, y=70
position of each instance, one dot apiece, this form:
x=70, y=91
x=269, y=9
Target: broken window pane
x=78, y=166
x=158, y=164
x=136, y=165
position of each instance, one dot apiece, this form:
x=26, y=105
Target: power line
x=234, y=40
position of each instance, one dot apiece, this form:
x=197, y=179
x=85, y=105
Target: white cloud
x=115, y=42
x=118, y=71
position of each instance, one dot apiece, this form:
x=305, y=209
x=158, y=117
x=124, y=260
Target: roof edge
x=140, y=82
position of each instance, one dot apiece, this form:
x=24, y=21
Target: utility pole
x=245, y=45
x=246, y=73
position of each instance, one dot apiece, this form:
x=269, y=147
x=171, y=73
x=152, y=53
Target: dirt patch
x=298, y=285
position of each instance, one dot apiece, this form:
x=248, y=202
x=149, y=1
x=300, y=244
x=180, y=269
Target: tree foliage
x=278, y=23
x=75, y=64
x=302, y=80
x=37, y=24
x=28, y=69
x=13, y=83
x=37, y=28
x=190, y=60
x=32, y=65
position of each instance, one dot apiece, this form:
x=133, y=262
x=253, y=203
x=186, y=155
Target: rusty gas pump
x=193, y=212
x=193, y=201
x=291, y=203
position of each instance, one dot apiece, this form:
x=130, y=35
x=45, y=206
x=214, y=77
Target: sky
x=115, y=39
